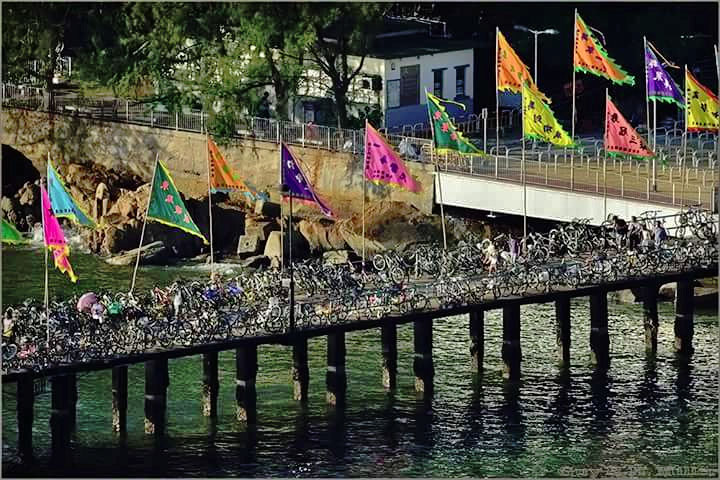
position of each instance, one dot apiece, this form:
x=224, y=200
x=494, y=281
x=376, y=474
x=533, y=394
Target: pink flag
x=382, y=164
x=54, y=238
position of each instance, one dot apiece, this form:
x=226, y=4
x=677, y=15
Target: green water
x=645, y=416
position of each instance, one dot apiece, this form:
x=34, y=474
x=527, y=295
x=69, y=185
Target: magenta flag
x=55, y=238
x=383, y=165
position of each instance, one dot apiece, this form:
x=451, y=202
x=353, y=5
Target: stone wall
x=126, y=148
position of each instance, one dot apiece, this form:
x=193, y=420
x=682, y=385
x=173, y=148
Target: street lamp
x=548, y=31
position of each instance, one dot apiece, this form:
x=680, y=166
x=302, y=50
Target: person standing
x=634, y=233
x=660, y=234
x=264, y=107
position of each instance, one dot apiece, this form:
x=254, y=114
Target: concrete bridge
x=585, y=184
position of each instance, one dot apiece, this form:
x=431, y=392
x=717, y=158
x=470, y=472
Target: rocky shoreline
x=243, y=232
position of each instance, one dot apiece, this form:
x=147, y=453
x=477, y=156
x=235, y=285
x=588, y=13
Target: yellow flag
x=511, y=71
x=702, y=111
x=539, y=122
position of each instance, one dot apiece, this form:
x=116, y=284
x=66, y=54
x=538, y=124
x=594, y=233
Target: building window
x=308, y=112
x=438, y=82
x=366, y=85
x=393, y=93
x=460, y=80
x=410, y=85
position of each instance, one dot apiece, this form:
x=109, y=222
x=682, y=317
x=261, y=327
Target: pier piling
x=119, y=398
x=60, y=418
x=336, y=378
x=511, y=351
x=599, y=337
x=562, y=329
x=650, y=316
x=210, y=384
x=245, y=395
x=156, y=383
x=300, y=371
x=388, y=337
x=477, y=339
x=684, y=312
x=25, y=403
x=423, y=361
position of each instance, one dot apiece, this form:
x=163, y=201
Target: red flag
x=620, y=137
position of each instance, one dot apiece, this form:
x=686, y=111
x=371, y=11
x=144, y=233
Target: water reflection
x=601, y=409
x=561, y=404
x=513, y=418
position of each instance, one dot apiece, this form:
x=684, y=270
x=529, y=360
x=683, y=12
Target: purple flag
x=297, y=182
x=660, y=86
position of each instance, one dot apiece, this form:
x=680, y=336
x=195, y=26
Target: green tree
x=341, y=30
x=33, y=38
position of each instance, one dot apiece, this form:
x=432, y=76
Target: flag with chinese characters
x=660, y=86
x=511, y=71
x=297, y=183
x=54, y=237
x=166, y=205
x=447, y=137
x=222, y=177
x=702, y=112
x=63, y=205
x=620, y=137
x=539, y=122
x=383, y=165
x=591, y=57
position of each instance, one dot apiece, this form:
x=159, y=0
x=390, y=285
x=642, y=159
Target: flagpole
x=437, y=176
x=364, y=175
x=290, y=268
x=682, y=164
x=497, y=105
x=47, y=279
x=572, y=123
x=654, y=182
x=207, y=154
x=647, y=99
x=522, y=168
x=142, y=233
x=605, y=160
x=282, y=217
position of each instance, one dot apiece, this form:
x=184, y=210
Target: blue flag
x=295, y=179
x=62, y=203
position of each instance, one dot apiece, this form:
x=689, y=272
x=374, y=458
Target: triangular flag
x=63, y=205
x=166, y=205
x=511, y=71
x=591, y=57
x=10, y=234
x=383, y=165
x=539, y=122
x=222, y=177
x=702, y=113
x=447, y=137
x=54, y=237
x=620, y=137
x=297, y=182
x=660, y=85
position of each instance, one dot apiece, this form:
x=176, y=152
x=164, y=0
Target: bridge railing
x=676, y=181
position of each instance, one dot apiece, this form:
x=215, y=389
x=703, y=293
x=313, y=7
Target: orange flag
x=222, y=178
x=620, y=137
x=511, y=71
x=591, y=57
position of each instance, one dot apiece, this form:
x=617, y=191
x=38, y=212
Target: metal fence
x=685, y=173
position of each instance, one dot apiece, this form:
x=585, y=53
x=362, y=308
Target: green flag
x=10, y=234
x=446, y=135
x=166, y=205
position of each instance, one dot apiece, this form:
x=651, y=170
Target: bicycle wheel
x=379, y=262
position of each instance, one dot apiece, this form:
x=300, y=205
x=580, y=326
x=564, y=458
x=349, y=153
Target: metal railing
x=553, y=165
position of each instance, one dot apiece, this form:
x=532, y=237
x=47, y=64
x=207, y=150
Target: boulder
x=259, y=227
x=667, y=291
x=355, y=242
x=315, y=234
x=336, y=257
x=28, y=194
x=267, y=209
x=249, y=245
x=623, y=296
x=336, y=239
x=273, y=246
x=152, y=254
